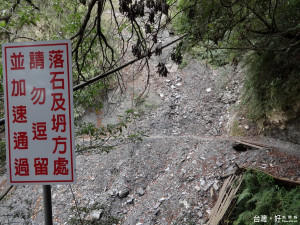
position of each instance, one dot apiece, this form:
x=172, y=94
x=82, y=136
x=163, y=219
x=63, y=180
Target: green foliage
x=2, y=156
x=60, y=19
x=267, y=32
x=272, y=88
x=22, y=17
x=89, y=98
x=216, y=58
x=260, y=195
x=99, y=136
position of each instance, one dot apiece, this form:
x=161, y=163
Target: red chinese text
x=36, y=60
x=39, y=131
x=22, y=167
x=18, y=88
x=60, y=167
x=39, y=95
x=19, y=114
x=58, y=102
x=60, y=141
x=56, y=82
x=20, y=140
x=55, y=58
x=17, y=61
x=59, y=122
x=41, y=166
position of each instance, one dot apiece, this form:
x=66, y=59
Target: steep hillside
x=171, y=177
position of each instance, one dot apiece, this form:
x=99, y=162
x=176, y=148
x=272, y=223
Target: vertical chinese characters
x=58, y=108
x=38, y=105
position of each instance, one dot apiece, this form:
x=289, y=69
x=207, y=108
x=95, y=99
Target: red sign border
x=70, y=116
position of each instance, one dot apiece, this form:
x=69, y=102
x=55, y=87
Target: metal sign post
x=47, y=204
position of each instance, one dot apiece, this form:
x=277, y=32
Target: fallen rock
x=96, y=214
x=197, y=188
x=216, y=186
x=185, y=204
x=130, y=200
x=123, y=192
x=140, y=191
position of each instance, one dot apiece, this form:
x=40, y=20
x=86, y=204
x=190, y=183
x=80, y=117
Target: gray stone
x=130, y=200
x=96, y=214
x=207, y=187
x=123, y=192
x=140, y=191
x=185, y=204
x=197, y=188
x=156, y=212
x=202, y=182
x=113, y=193
x=219, y=164
x=157, y=205
x=191, y=178
x=216, y=186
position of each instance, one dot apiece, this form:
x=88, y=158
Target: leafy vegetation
x=100, y=37
x=2, y=156
x=89, y=98
x=263, y=34
x=98, y=137
x=260, y=196
x=273, y=88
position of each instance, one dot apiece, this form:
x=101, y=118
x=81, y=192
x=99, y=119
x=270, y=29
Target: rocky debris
x=123, y=192
x=130, y=199
x=96, y=214
x=140, y=191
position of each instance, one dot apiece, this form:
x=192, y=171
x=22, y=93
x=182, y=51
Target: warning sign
x=39, y=112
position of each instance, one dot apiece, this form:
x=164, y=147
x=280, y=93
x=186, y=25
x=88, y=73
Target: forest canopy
x=262, y=34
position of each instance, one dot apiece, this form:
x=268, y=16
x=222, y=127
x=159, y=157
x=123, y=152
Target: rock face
x=290, y=133
x=171, y=177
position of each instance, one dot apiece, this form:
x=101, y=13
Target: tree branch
x=102, y=76
x=33, y=5
x=86, y=20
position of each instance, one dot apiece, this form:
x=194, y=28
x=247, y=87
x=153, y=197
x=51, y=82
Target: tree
x=104, y=33
x=263, y=33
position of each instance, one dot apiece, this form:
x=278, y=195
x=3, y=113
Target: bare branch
x=85, y=21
